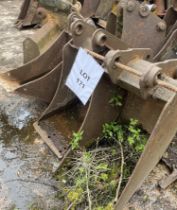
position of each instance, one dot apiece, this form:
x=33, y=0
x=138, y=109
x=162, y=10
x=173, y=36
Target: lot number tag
x=84, y=76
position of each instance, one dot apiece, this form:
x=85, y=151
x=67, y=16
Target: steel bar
x=153, y=152
x=134, y=71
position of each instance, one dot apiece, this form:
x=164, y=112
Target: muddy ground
x=26, y=164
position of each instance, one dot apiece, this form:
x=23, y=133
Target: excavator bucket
x=35, y=13
x=55, y=124
x=29, y=15
x=56, y=130
x=37, y=67
x=133, y=69
x=52, y=68
x=50, y=17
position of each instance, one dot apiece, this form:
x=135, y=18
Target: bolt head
x=130, y=6
x=144, y=10
x=162, y=26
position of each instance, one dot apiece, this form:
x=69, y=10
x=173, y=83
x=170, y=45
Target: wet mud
x=26, y=164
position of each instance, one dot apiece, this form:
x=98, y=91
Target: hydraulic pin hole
x=148, y=57
x=99, y=38
x=41, y=13
x=79, y=29
x=117, y=59
x=103, y=39
x=159, y=76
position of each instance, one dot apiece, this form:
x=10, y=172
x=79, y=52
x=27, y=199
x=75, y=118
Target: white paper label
x=84, y=76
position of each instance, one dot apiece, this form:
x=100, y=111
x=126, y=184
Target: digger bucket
x=152, y=100
x=154, y=86
x=170, y=20
x=41, y=41
x=36, y=13
x=134, y=74
x=56, y=131
x=158, y=143
x=39, y=66
x=56, y=124
x=44, y=78
x=29, y=15
x=150, y=90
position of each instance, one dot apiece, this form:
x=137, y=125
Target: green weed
x=75, y=140
x=92, y=176
x=116, y=100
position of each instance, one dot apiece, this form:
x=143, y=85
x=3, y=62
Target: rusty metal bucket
x=150, y=87
x=39, y=66
x=56, y=130
x=155, y=94
x=30, y=15
x=57, y=123
x=52, y=68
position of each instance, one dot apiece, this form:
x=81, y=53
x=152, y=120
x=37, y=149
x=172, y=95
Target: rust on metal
x=145, y=25
x=150, y=88
x=29, y=15
x=61, y=136
x=40, y=65
x=39, y=42
x=36, y=87
x=160, y=7
x=154, y=150
x=90, y=7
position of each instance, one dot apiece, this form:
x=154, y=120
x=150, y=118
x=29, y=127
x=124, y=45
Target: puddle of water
x=23, y=157
x=12, y=191
x=23, y=167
